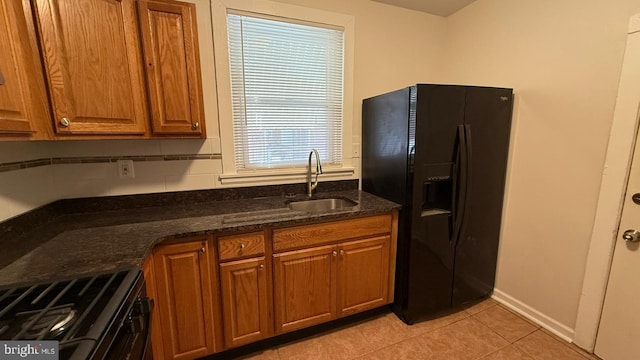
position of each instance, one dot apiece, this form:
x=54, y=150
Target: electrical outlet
x=355, y=151
x=125, y=169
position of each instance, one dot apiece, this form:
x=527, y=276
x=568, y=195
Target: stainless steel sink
x=317, y=205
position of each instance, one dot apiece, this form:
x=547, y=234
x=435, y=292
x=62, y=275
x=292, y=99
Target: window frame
x=230, y=174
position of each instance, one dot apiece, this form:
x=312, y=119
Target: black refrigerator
x=441, y=152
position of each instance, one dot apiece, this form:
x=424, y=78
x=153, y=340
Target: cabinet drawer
x=330, y=232
x=239, y=246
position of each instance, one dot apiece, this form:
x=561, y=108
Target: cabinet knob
x=65, y=122
x=335, y=253
x=242, y=246
x=341, y=252
x=195, y=125
x=261, y=266
x=203, y=250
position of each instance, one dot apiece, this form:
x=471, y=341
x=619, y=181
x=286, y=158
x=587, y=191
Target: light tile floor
x=486, y=331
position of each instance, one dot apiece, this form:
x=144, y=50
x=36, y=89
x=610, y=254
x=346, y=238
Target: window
x=285, y=73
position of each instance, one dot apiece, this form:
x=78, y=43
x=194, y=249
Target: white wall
x=563, y=59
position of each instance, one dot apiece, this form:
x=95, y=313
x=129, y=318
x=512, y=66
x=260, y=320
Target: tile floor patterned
x=485, y=331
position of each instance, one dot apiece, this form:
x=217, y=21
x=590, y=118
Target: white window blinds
x=287, y=91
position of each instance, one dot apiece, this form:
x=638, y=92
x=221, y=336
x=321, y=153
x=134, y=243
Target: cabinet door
x=23, y=99
x=363, y=275
x=170, y=40
x=185, y=299
x=305, y=287
x=244, y=301
x=92, y=61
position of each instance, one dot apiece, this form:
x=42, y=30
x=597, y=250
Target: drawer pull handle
x=242, y=246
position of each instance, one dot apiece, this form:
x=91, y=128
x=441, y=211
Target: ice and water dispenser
x=437, y=203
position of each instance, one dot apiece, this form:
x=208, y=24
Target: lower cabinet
x=185, y=298
x=304, y=287
x=216, y=293
x=245, y=305
x=319, y=284
x=363, y=275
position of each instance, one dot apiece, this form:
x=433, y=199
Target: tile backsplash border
x=19, y=165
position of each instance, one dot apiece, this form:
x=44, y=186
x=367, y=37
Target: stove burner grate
x=78, y=313
x=52, y=323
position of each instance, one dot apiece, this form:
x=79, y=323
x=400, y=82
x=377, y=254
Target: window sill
x=292, y=175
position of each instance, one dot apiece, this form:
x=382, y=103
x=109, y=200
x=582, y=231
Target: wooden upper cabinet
x=170, y=42
x=23, y=100
x=185, y=299
x=93, y=64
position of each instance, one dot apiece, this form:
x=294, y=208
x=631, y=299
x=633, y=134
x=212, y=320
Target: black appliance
x=441, y=152
x=105, y=316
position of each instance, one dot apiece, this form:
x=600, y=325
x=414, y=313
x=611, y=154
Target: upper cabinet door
x=93, y=65
x=170, y=42
x=23, y=100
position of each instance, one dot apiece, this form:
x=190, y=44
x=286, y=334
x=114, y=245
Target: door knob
x=631, y=235
x=636, y=198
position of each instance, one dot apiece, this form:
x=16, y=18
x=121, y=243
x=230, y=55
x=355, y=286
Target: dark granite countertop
x=74, y=244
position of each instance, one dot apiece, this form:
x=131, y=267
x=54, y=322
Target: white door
x=618, y=335
x=619, y=331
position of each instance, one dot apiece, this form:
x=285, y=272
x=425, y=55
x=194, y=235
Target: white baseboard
x=557, y=328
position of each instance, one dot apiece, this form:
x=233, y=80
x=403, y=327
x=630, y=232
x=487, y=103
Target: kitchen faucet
x=311, y=186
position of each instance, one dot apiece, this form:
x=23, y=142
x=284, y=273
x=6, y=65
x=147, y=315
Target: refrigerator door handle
x=467, y=182
x=412, y=155
x=460, y=186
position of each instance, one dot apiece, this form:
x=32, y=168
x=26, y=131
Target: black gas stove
x=105, y=316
